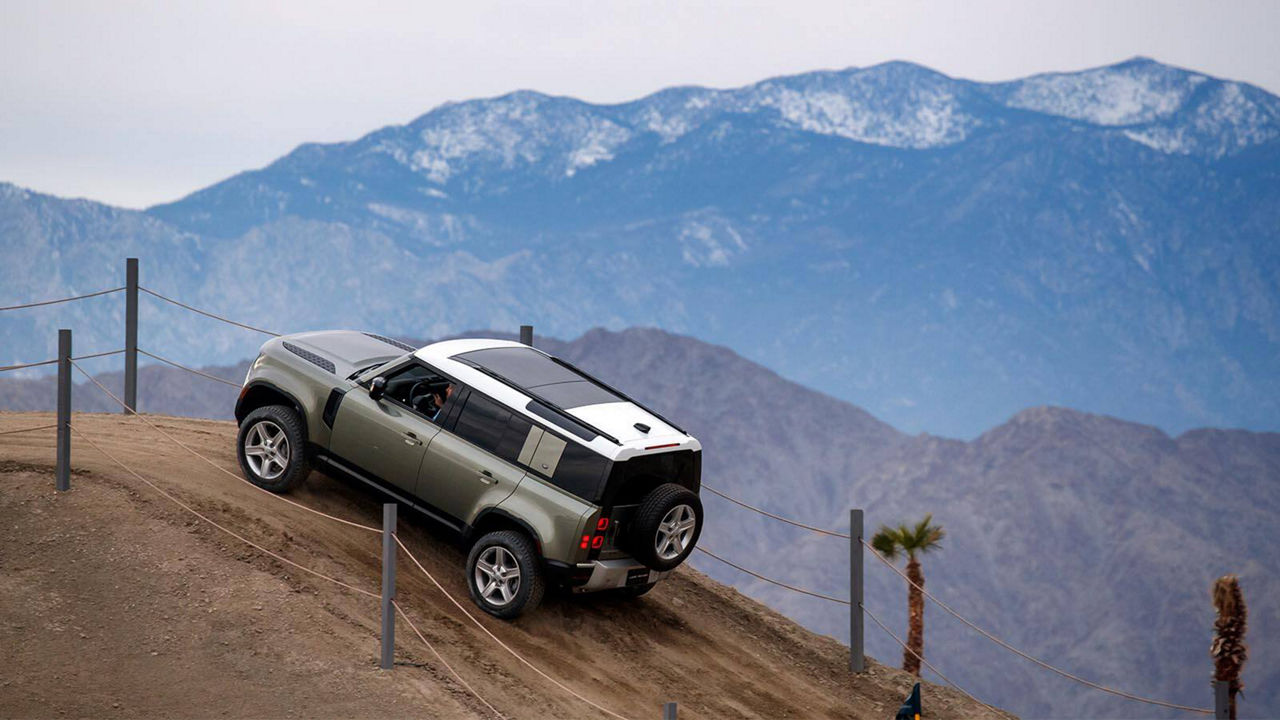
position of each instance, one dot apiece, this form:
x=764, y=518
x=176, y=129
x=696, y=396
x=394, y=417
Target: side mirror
x=378, y=388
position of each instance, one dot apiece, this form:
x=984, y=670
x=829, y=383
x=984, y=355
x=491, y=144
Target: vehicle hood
x=350, y=350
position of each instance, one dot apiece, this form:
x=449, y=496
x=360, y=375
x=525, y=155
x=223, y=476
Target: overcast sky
x=135, y=103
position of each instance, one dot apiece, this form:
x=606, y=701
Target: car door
x=385, y=438
x=472, y=464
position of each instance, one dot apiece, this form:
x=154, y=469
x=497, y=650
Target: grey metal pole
x=670, y=711
x=526, y=335
x=1221, y=700
x=130, y=336
x=857, y=662
x=388, y=585
x=62, y=458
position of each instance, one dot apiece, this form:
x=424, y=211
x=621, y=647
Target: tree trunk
x=1229, y=650
x=915, y=619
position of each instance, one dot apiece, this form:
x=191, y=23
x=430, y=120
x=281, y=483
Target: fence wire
x=770, y=580
x=27, y=430
x=55, y=361
x=918, y=656
x=497, y=640
x=206, y=313
x=214, y=523
x=405, y=616
x=1025, y=656
x=60, y=300
x=193, y=371
x=215, y=465
x=766, y=513
x=284, y=560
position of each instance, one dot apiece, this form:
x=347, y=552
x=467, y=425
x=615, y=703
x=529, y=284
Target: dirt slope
x=118, y=603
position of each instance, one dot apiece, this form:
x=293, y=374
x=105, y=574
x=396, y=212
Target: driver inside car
x=441, y=396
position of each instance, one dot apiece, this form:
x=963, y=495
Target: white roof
x=615, y=418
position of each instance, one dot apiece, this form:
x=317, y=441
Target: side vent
x=394, y=343
x=331, y=406
x=314, y=359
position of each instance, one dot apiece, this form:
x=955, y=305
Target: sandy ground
x=114, y=602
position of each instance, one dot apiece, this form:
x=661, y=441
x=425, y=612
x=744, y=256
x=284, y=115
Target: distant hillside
x=1084, y=539
x=939, y=251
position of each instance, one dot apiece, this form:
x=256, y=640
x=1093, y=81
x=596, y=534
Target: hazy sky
x=135, y=103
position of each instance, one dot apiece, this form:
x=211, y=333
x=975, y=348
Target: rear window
x=630, y=480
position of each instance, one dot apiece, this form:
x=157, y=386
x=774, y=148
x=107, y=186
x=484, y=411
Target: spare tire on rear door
x=666, y=526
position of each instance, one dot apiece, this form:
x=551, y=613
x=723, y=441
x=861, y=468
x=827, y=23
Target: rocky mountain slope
x=1083, y=539
x=939, y=251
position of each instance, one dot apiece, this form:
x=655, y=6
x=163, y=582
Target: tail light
x=595, y=540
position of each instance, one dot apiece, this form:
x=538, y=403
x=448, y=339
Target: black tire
x=644, y=536
x=530, y=583
x=297, y=465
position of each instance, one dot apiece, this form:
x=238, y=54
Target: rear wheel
x=272, y=449
x=666, y=526
x=504, y=574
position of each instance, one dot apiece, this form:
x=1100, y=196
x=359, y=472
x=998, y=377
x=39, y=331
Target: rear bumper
x=611, y=574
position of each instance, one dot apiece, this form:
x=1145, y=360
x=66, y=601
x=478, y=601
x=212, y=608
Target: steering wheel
x=415, y=395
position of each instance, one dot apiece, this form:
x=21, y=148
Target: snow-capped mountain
x=940, y=251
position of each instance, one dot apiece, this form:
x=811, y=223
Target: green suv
x=550, y=474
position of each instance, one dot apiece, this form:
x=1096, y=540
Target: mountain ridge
x=1043, y=259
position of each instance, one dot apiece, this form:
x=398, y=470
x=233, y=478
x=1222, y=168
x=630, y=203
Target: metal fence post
x=388, y=585
x=670, y=711
x=1221, y=700
x=130, y=336
x=526, y=335
x=62, y=458
x=857, y=662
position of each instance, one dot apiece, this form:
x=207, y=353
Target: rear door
x=472, y=465
x=385, y=438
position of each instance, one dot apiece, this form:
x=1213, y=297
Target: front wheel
x=504, y=575
x=272, y=449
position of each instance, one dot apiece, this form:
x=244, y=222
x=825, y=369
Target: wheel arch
x=260, y=393
x=493, y=519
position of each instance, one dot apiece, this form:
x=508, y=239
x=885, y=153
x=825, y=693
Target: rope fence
x=55, y=361
x=214, y=523
x=30, y=429
x=918, y=656
x=497, y=640
x=206, y=313
x=190, y=370
x=769, y=580
x=1037, y=661
x=216, y=466
x=60, y=300
x=944, y=606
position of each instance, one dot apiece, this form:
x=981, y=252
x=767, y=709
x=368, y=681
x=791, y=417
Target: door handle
x=411, y=439
x=487, y=477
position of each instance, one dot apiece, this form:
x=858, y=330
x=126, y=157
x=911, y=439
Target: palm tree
x=912, y=541
x=1229, y=650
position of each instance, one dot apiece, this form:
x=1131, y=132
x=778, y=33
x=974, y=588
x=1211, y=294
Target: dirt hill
x=120, y=603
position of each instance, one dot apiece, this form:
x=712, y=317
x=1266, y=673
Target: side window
x=420, y=388
x=483, y=422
